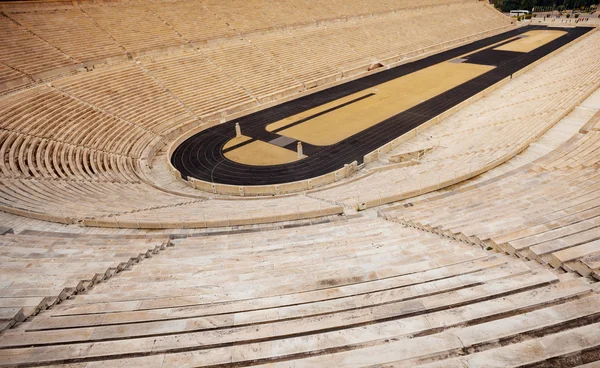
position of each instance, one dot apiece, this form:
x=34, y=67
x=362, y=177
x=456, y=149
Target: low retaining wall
x=274, y=189
x=171, y=223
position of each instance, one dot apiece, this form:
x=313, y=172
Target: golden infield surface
x=367, y=108
x=389, y=99
x=259, y=153
x=532, y=41
x=235, y=141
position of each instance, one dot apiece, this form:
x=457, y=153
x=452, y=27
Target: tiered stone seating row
x=71, y=200
x=57, y=118
x=235, y=13
x=269, y=16
x=8, y=73
x=287, y=13
x=18, y=47
x=356, y=293
x=98, y=31
x=70, y=31
x=11, y=78
x=147, y=32
x=332, y=46
x=193, y=21
x=358, y=45
x=132, y=94
x=183, y=74
x=39, y=272
x=255, y=72
x=102, y=34
x=581, y=152
x=593, y=124
x=33, y=157
x=139, y=205
x=397, y=5
x=391, y=38
x=482, y=135
x=311, y=70
x=290, y=13
x=548, y=211
x=217, y=213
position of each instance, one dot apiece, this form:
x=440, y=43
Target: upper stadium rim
x=298, y=183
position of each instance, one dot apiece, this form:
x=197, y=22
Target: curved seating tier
x=391, y=38
x=50, y=115
x=40, y=271
x=7, y=73
x=138, y=205
x=16, y=52
x=311, y=69
x=251, y=69
x=215, y=213
x=10, y=78
x=67, y=200
x=182, y=74
x=102, y=33
x=42, y=158
x=193, y=21
x=289, y=13
x=131, y=94
x=147, y=32
x=235, y=13
x=70, y=31
x=482, y=135
x=354, y=293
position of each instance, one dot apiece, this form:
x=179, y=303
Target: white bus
x=516, y=13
